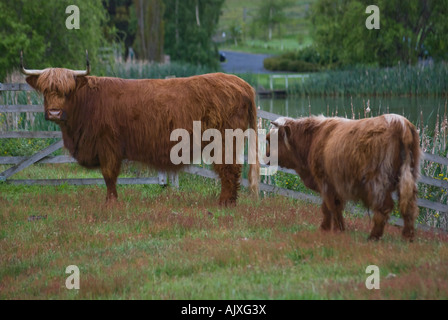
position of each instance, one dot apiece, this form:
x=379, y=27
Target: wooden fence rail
x=44, y=157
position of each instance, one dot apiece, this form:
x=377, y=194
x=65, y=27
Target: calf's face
x=283, y=151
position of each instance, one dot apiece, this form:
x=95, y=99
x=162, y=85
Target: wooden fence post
x=174, y=179
x=163, y=178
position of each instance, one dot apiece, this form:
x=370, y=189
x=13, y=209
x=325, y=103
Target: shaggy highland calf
x=355, y=160
x=105, y=120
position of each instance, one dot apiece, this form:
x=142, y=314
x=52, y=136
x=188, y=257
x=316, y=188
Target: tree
x=189, y=28
x=38, y=28
x=409, y=30
x=271, y=14
x=122, y=22
x=236, y=32
x=150, y=33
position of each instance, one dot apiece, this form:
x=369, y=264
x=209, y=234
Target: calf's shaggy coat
x=364, y=160
x=105, y=120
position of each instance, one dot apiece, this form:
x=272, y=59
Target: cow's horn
x=28, y=72
x=86, y=72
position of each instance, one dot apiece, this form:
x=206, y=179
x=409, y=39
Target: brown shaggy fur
x=106, y=120
x=355, y=160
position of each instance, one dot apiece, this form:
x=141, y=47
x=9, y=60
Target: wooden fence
x=163, y=178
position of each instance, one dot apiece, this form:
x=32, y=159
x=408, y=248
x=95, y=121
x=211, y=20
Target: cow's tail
x=409, y=174
x=254, y=163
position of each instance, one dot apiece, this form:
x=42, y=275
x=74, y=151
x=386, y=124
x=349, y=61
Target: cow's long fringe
x=56, y=79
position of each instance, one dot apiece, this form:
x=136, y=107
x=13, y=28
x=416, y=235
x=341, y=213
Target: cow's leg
x=230, y=182
x=110, y=169
x=380, y=217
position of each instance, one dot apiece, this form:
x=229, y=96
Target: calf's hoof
x=408, y=235
x=374, y=238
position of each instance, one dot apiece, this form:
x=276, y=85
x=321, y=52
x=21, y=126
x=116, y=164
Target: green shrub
x=305, y=60
x=157, y=71
x=284, y=64
x=302, y=66
x=22, y=147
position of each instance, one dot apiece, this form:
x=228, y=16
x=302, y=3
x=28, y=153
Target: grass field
x=162, y=243
x=273, y=47
x=244, y=11
x=295, y=29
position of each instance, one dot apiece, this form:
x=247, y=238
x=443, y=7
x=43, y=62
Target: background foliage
x=38, y=28
x=410, y=31
x=190, y=25
x=181, y=28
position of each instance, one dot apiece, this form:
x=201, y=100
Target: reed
x=144, y=70
x=435, y=142
x=429, y=80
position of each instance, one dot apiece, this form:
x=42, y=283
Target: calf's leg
x=338, y=219
x=409, y=212
x=380, y=217
x=332, y=210
x=326, y=222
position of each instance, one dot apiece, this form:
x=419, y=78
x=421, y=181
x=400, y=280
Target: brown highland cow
x=364, y=160
x=105, y=120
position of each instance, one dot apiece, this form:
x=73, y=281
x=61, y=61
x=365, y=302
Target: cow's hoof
x=227, y=203
x=111, y=202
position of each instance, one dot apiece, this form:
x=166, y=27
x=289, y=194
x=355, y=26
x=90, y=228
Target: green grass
x=161, y=243
x=294, y=34
x=233, y=13
x=272, y=47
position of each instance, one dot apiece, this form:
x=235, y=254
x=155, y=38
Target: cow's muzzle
x=55, y=115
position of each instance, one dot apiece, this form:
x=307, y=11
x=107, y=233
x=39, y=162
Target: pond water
x=410, y=107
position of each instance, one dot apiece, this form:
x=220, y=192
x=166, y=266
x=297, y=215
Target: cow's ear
x=80, y=82
x=32, y=81
x=287, y=131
